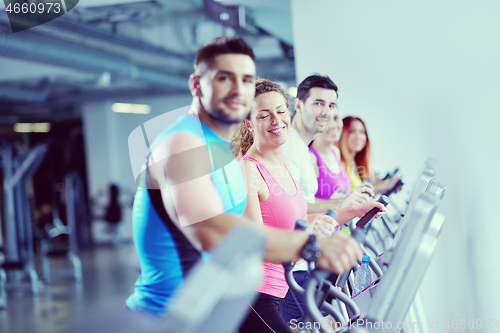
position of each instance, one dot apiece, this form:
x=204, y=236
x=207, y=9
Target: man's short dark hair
x=221, y=45
x=316, y=80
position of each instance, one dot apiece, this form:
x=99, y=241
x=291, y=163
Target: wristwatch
x=310, y=252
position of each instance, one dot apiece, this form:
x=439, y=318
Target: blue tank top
x=166, y=255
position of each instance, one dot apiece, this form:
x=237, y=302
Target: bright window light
x=32, y=127
x=292, y=91
x=131, y=108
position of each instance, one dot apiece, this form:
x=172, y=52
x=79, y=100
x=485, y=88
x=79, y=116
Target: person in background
x=354, y=146
x=315, y=106
x=333, y=180
x=113, y=214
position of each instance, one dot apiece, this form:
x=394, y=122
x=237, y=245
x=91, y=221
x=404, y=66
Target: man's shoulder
x=185, y=133
x=293, y=135
x=178, y=141
x=187, y=124
x=294, y=147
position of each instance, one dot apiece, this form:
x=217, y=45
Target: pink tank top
x=281, y=210
x=329, y=182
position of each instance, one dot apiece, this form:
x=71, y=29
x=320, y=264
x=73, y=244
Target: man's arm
x=320, y=206
x=196, y=204
x=199, y=208
x=348, y=213
x=314, y=161
x=357, y=196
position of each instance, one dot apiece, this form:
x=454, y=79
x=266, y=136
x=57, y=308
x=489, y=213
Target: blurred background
x=423, y=76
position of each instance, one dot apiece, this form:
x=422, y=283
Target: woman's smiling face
x=270, y=119
x=356, y=136
x=333, y=131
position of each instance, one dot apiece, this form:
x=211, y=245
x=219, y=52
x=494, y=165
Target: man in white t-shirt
x=314, y=105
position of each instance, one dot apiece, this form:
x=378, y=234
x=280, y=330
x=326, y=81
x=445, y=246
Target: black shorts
x=265, y=316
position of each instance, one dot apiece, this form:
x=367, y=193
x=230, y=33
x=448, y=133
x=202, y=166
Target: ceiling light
x=131, y=108
x=32, y=127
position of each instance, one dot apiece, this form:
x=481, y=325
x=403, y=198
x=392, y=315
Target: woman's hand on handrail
x=359, y=195
x=322, y=225
x=339, y=253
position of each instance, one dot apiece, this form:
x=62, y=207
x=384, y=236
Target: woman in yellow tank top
x=354, y=146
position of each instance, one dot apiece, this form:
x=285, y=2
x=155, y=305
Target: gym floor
x=108, y=279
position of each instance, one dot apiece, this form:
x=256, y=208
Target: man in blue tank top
x=192, y=191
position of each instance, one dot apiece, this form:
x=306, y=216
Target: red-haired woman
x=354, y=146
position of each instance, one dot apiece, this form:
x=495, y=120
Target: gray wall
x=424, y=77
x=107, y=148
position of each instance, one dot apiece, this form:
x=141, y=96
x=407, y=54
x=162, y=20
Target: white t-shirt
x=300, y=165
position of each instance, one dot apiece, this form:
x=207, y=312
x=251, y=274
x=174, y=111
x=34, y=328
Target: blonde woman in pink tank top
x=273, y=198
